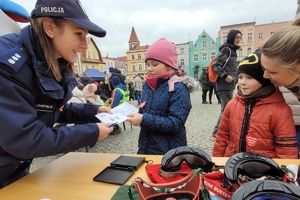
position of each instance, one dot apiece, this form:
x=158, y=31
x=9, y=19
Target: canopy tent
x=95, y=74
x=10, y=14
x=8, y=25
x=14, y=11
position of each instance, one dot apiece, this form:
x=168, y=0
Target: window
x=181, y=50
x=94, y=55
x=140, y=66
x=213, y=43
x=203, y=44
x=181, y=62
x=133, y=67
x=272, y=32
x=196, y=58
x=240, y=53
x=195, y=45
x=203, y=36
x=204, y=57
x=249, y=37
x=132, y=57
x=224, y=39
x=89, y=55
x=139, y=56
x=249, y=51
x=260, y=36
x=212, y=55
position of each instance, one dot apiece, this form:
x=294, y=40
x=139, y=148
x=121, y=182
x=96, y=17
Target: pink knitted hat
x=163, y=51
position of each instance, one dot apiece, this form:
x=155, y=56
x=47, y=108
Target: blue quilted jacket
x=164, y=115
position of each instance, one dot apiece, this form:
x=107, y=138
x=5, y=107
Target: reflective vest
x=125, y=95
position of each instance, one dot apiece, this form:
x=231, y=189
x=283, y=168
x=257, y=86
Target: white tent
x=7, y=24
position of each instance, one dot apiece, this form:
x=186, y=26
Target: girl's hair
x=47, y=46
x=283, y=47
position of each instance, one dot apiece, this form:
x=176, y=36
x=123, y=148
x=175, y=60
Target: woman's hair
x=47, y=45
x=296, y=22
x=283, y=47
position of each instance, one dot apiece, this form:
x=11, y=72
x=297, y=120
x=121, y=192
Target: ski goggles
x=187, y=188
x=194, y=157
x=245, y=166
x=266, y=190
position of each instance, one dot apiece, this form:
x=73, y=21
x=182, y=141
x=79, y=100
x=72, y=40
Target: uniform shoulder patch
x=14, y=58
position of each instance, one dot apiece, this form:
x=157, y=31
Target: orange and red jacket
x=265, y=126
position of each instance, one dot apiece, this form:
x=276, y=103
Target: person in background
x=80, y=86
x=280, y=59
x=212, y=89
x=115, y=72
x=138, y=88
x=119, y=95
x=204, y=84
x=85, y=79
x=258, y=119
x=227, y=79
x=106, y=89
x=90, y=96
x=165, y=103
x=181, y=71
x=40, y=78
x=131, y=91
x=77, y=96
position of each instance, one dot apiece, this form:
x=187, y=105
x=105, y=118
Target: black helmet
x=251, y=165
x=267, y=190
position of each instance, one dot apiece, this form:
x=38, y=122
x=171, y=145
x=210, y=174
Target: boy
x=257, y=119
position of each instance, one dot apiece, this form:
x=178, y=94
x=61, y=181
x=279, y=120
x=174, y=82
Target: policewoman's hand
x=104, y=130
x=104, y=109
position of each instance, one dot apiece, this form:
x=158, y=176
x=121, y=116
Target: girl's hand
x=135, y=119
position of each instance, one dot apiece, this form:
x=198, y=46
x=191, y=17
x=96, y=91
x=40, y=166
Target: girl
x=165, y=103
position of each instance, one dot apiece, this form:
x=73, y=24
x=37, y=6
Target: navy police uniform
x=32, y=101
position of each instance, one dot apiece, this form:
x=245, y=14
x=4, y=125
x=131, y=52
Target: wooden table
x=71, y=178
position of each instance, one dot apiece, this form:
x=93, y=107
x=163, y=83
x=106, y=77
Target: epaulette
x=14, y=58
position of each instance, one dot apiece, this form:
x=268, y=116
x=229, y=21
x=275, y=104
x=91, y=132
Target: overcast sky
x=177, y=20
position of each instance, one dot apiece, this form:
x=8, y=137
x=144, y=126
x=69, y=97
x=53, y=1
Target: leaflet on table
x=119, y=113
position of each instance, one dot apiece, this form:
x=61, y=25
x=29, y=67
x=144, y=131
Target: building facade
x=201, y=52
x=193, y=56
x=135, y=57
x=183, y=56
x=89, y=58
x=253, y=36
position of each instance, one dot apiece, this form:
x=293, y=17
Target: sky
x=179, y=21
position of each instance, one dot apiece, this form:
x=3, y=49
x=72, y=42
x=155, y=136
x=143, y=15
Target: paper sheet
x=119, y=113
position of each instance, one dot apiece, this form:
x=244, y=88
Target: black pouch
x=120, y=170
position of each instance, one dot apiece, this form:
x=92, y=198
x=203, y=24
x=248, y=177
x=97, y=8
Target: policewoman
x=36, y=81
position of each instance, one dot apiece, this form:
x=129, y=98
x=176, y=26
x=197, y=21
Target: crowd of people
x=45, y=91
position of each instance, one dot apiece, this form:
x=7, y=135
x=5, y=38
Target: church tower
x=133, y=40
